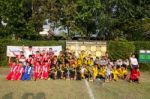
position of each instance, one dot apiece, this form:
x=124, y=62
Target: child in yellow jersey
x=79, y=62
x=90, y=62
x=84, y=61
x=119, y=71
x=124, y=72
x=115, y=73
x=102, y=72
x=82, y=55
x=89, y=72
x=95, y=71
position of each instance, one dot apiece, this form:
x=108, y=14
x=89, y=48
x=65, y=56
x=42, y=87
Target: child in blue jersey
x=27, y=72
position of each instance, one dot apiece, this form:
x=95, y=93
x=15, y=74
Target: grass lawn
x=65, y=89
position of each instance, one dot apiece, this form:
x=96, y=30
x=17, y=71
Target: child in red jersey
x=30, y=60
x=44, y=53
x=45, y=69
x=135, y=74
x=37, y=70
x=19, y=71
x=13, y=66
x=40, y=69
x=41, y=59
x=51, y=53
x=18, y=55
x=49, y=60
x=37, y=56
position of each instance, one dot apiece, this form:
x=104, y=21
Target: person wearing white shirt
x=119, y=62
x=134, y=62
x=28, y=52
x=126, y=62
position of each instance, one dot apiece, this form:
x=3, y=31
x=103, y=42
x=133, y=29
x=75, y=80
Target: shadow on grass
x=39, y=95
x=8, y=96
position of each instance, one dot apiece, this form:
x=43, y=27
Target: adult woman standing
x=134, y=62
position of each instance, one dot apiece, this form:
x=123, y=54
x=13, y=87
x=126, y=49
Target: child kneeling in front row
x=27, y=72
x=135, y=74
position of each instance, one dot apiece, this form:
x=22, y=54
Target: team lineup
x=44, y=64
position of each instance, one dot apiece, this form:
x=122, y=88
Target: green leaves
x=110, y=19
x=13, y=13
x=120, y=49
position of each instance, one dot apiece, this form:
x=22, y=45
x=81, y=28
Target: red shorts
x=9, y=76
x=35, y=75
x=17, y=76
x=45, y=75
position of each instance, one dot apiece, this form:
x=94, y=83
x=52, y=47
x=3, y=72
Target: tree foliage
x=108, y=19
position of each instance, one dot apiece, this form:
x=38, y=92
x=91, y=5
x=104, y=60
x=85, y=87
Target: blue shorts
x=134, y=66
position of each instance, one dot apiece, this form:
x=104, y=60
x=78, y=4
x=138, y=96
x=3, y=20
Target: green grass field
x=66, y=89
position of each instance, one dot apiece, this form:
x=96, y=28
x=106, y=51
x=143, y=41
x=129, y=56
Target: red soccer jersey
x=35, y=68
x=30, y=60
x=13, y=66
x=18, y=56
x=20, y=69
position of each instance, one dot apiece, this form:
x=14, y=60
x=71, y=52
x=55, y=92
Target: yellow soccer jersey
x=90, y=63
x=82, y=56
x=95, y=71
x=124, y=72
x=115, y=74
x=85, y=62
x=79, y=62
x=102, y=71
x=119, y=71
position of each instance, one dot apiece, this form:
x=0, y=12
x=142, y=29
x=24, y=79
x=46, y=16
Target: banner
x=95, y=48
x=11, y=50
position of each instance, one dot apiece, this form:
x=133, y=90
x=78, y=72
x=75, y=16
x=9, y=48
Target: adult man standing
x=28, y=52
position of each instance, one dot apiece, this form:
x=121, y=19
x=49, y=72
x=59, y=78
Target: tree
x=17, y=14
x=109, y=19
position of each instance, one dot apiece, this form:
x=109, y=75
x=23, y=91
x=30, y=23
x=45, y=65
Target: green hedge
x=5, y=42
x=120, y=49
x=145, y=67
x=142, y=45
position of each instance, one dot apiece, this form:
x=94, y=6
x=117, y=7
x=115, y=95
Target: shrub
x=142, y=45
x=145, y=66
x=120, y=49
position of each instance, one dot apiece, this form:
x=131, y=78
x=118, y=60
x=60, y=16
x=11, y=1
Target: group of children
x=46, y=65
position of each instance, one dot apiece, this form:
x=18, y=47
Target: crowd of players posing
x=46, y=65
